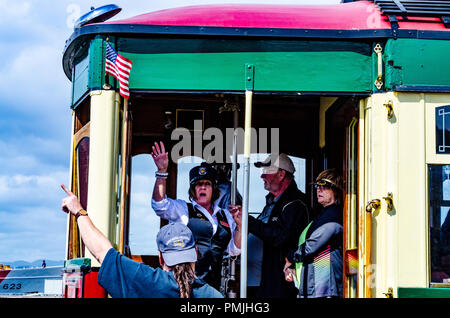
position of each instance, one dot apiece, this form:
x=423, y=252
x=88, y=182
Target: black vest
x=211, y=247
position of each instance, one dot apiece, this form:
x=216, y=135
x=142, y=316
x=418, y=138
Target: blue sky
x=35, y=120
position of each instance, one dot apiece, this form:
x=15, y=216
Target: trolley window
x=443, y=129
x=439, y=187
x=258, y=193
x=144, y=223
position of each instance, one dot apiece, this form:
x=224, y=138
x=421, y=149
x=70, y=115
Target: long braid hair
x=184, y=274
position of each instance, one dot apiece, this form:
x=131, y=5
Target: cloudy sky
x=35, y=119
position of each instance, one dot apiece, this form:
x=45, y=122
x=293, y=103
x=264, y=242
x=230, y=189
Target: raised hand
x=70, y=203
x=160, y=156
x=236, y=212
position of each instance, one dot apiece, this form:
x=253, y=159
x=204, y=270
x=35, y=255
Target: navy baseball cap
x=203, y=172
x=176, y=243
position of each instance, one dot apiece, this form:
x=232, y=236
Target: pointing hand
x=70, y=203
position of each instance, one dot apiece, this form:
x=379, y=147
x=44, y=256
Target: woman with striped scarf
x=320, y=246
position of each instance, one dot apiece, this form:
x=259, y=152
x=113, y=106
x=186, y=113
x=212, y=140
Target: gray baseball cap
x=176, y=243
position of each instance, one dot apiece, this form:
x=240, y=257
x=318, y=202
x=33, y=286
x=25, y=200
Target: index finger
x=66, y=190
x=163, y=149
x=158, y=150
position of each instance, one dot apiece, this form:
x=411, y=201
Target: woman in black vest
x=214, y=229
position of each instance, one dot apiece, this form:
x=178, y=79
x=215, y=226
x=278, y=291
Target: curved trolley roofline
x=354, y=20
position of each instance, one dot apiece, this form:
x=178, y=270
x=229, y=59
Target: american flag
x=119, y=67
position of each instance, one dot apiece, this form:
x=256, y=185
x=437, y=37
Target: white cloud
x=14, y=10
x=32, y=233
x=35, y=121
x=33, y=225
x=39, y=191
x=31, y=155
x=37, y=76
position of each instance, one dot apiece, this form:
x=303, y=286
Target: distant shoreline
x=20, y=264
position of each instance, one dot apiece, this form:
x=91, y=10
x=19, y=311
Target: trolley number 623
x=12, y=286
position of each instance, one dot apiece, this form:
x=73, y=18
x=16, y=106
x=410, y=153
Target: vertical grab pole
x=234, y=189
x=249, y=74
x=234, y=159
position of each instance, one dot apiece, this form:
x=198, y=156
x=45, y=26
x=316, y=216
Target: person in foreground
x=124, y=278
x=320, y=252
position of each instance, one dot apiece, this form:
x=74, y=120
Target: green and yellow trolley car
x=360, y=86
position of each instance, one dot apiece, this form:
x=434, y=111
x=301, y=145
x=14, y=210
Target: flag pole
x=106, y=85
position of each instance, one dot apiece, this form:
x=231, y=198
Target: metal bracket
x=389, y=293
x=249, y=77
x=394, y=25
x=373, y=205
x=379, y=51
x=446, y=21
x=389, y=106
x=389, y=201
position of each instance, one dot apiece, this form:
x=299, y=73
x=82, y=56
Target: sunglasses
x=203, y=183
x=323, y=184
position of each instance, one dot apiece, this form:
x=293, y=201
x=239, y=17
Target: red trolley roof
x=353, y=20
x=344, y=16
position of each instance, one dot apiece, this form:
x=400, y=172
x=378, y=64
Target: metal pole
x=244, y=226
x=234, y=159
x=249, y=84
x=234, y=190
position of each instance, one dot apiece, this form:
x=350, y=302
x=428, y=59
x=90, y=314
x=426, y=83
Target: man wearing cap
x=214, y=229
x=124, y=278
x=276, y=230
